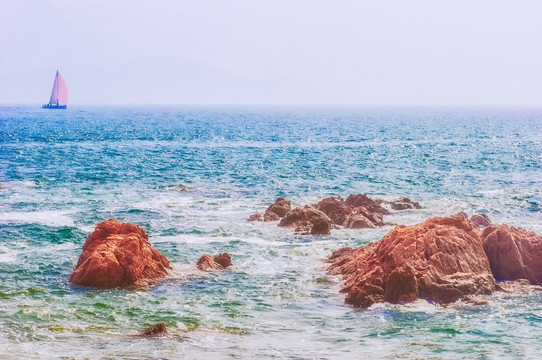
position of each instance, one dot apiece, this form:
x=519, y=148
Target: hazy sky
x=453, y=52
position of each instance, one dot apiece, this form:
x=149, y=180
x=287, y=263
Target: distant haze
x=305, y=52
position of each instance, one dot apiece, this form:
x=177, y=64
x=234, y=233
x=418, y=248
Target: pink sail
x=59, y=95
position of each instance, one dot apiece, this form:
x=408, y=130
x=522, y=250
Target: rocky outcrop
x=307, y=220
x=513, y=253
x=335, y=209
x=350, y=217
x=368, y=203
x=277, y=210
x=441, y=260
x=158, y=329
x=481, y=220
x=220, y=262
x=118, y=255
x=274, y=212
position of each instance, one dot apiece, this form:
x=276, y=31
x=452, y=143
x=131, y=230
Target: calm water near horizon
x=191, y=177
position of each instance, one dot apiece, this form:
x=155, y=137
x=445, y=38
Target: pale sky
x=306, y=52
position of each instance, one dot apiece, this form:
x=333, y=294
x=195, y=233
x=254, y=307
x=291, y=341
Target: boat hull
x=48, y=106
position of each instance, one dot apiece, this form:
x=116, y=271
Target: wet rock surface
x=440, y=260
x=118, y=255
x=513, y=253
x=277, y=210
x=307, y=220
x=219, y=262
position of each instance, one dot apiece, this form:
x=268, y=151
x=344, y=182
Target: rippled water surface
x=191, y=177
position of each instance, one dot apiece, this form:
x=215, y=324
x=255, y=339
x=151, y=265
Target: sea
x=191, y=177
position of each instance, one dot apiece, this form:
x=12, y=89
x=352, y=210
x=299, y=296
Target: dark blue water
x=190, y=177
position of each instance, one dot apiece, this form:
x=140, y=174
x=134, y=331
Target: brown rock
x=307, y=220
x=117, y=255
x=481, y=220
x=366, y=202
x=223, y=259
x=220, y=262
x=513, y=253
x=404, y=203
x=441, y=260
x=271, y=216
x=206, y=263
x=158, y=329
x=358, y=221
x=255, y=217
x=278, y=209
x=335, y=209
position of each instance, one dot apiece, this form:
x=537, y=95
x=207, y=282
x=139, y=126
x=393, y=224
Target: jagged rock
x=368, y=203
x=348, y=216
x=223, y=259
x=335, y=209
x=441, y=260
x=481, y=220
x=404, y=203
x=277, y=210
x=220, y=262
x=513, y=253
x=158, y=329
x=307, y=220
x=118, y=255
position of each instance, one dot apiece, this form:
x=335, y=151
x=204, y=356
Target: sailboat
x=59, y=95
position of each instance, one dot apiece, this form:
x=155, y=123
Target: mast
x=59, y=94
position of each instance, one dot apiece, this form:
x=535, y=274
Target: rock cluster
x=357, y=211
x=442, y=260
x=118, y=255
x=219, y=262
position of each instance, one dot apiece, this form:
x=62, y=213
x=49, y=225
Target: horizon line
x=343, y=106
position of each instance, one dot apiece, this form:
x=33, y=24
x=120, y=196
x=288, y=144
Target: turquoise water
x=191, y=177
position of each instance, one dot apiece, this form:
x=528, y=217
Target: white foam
x=7, y=256
x=47, y=217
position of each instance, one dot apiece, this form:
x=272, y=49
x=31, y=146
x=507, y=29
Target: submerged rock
x=158, y=329
x=404, y=203
x=255, y=217
x=118, y=255
x=513, y=253
x=220, y=262
x=307, y=220
x=441, y=260
x=481, y=220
